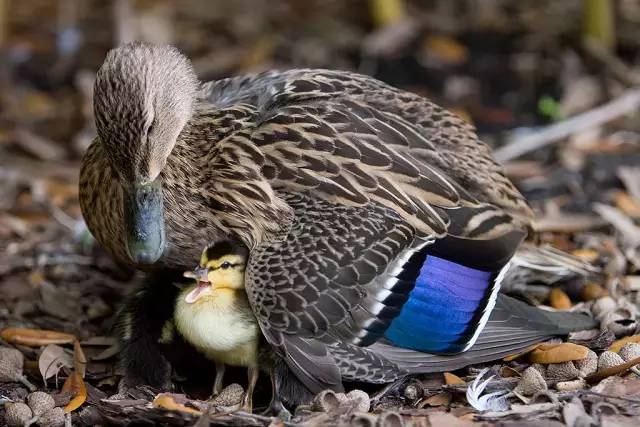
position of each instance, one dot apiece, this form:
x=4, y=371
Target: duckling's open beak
x=202, y=288
x=144, y=222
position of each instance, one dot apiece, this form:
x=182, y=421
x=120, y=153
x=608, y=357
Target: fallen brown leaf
x=618, y=344
x=522, y=353
x=76, y=385
x=627, y=204
x=592, y=291
x=165, y=401
x=452, y=379
x=559, y=299
x=79, y=359
x=35, y=337
x=440, y=399
x=558, y=353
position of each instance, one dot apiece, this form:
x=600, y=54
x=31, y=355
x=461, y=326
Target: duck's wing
x=512, y=327
x=308, y=281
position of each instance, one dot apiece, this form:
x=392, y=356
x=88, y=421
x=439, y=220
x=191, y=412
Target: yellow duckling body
x=214, y=314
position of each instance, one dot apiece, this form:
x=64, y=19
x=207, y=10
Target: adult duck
x=378, y=225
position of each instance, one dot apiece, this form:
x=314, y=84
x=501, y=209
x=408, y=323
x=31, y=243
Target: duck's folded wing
x=303, y=285
x=512, y=327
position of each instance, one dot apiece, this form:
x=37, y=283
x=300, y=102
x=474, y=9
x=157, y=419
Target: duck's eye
x=225, y=265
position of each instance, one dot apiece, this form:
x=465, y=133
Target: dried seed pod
x=565, y=371
x=229, y=396
x=630, y=351
x=609, y=359
x=40, y=402
x=11, y=365
x=52, y=418
x=531, y=382
x=17, y=414
x=588, y=365
x=621, y=322
x=603, y=305
x=326, y=401
x=360, y=399
x=573, y=385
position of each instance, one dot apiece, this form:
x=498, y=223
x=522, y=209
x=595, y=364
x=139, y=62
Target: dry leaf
x=440, y=399
x=166, y=401
x=558, y=353
x=592, y=291
x=618, y=344
x=76, y=385
x=559, y=299
x=614, y=370
x=35, y=337
x=509, y=372
x=522, y=353
x=628, y=205
x=587, y=255
x=452, y=379
x=79, y=359
x=51, y=360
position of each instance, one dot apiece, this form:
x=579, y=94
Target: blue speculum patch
x=441, y=307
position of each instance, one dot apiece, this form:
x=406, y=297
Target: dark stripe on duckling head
x=220, y=249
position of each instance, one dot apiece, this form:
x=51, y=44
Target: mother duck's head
x=143, y=97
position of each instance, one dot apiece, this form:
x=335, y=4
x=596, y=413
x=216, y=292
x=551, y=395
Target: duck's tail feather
x=512, y=327
x=544, y=264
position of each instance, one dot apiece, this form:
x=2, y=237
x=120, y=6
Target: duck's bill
x=144, y=222
x=201, y=289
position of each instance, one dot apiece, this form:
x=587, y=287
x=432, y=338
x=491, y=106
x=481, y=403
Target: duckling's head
x=221, y=267
x=143, y=98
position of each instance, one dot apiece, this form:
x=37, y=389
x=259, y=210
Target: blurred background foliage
x=498, y=63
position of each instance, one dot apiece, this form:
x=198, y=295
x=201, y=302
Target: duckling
x=214, y=314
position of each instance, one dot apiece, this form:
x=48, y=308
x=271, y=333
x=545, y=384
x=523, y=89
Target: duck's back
x=443, y=139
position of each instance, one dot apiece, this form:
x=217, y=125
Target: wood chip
x=558, y=353
x=35, y=337
x=452, y=379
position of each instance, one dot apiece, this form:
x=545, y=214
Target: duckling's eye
x=225, y=265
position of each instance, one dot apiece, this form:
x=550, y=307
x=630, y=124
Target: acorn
x=11, y=366
x=609, y=359
x=360, y=399
x=531, y=382
x=40, y=402
x=630, y=351
x=17, y=414
x=229, y=396
x=564, y=371
x=588, y=365
x=326, y=401
x=390, y=419
x=54, y=417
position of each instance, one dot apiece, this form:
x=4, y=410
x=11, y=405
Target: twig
x=629, y=101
